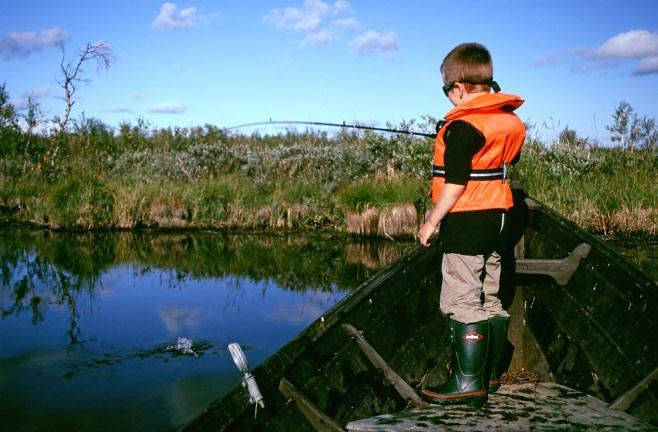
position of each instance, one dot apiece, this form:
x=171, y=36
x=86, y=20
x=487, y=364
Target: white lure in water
x=184, y=346
x=249, y=381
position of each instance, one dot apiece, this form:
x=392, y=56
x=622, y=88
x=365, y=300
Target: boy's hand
x=449, y=196
x=426, y=231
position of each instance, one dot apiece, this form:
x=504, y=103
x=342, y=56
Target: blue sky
x=230, y=62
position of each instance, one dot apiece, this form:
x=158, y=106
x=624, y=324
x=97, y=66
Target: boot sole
x=473, y=399
x=493, y=386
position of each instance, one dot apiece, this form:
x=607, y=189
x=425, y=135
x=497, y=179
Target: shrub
x=82, y=201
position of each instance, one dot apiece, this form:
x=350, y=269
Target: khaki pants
x=469, y=292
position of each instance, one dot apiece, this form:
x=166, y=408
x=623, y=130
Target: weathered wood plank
x=400, y=385
x=320, y=421
x=626, y=400
x=521, y=407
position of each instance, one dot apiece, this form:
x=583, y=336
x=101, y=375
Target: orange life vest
x=504, y=133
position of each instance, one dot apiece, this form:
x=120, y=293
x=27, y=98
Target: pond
x=641, y=251
x=90, y=321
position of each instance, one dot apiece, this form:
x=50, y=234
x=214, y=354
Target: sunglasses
x=494, y=85
x=447, y=88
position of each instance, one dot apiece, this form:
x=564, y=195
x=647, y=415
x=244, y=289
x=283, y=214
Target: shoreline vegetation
x=92, y=176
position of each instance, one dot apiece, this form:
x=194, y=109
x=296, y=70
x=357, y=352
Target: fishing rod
x=342, y=125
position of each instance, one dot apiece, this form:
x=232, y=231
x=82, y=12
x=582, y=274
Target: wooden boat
x=583, y=317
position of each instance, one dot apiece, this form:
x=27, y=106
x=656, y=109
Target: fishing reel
x=248, y=381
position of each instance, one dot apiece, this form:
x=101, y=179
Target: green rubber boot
x=465, y=384
x=497, y=345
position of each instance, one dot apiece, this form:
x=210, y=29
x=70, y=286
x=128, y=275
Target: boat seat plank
x=543, y=406
x=560, y=270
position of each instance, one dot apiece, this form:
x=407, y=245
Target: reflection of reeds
x=387, y=253
x=395, y=221
x=373, y=255
x=361, y=254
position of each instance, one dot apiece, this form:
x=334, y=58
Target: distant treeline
x=93, y=176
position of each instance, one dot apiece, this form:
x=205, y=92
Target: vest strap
x=476, y=174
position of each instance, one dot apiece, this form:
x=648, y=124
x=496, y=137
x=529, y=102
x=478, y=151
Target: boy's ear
x=461, y=88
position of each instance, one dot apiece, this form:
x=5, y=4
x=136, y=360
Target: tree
x=619, y=128
x=647, y=133
x=32, y=121
x=571, y=137
x=72, y=71
x=631, y=130
x=7, y=111
x=8, y=122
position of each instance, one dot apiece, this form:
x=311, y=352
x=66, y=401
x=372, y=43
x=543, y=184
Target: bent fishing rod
x=341, y=125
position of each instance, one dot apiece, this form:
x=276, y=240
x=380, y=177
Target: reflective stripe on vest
x=476, y=174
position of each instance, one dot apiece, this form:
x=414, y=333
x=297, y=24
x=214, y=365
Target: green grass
x=201, y=177
x=82, y=202
x=607, y=190
x=382, y=193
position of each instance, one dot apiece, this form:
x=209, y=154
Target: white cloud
x=312, y=18
x=372, y=42
x=308, y=18
x=343, y=7
x=319, y=38
x=633, y=44
x=322, y=23
x=120, y=110
x=19, y=104
x=168, y=108
x=347, y=23
x=636, y=44
x=37, y=93
x=170, y=17
x=20, y=45
x=647, y=66
x=548, y=60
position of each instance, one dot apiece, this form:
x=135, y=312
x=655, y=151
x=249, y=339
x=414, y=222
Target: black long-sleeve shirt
x=473, y=232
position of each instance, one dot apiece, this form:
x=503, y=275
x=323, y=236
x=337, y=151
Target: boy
x=478, y=139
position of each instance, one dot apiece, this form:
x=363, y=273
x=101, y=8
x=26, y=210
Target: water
x=89, y=321
x=641, y=251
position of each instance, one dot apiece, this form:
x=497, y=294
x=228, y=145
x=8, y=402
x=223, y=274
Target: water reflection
x=641, y=251
x=47, y=269
x=88, y=319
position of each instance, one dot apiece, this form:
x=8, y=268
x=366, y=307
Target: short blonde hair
x=469, y=63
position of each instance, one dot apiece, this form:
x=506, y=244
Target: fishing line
x=342, y=125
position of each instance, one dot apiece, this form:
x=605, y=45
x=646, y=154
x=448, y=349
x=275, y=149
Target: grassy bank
x=606, y=190
x=95, y=177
